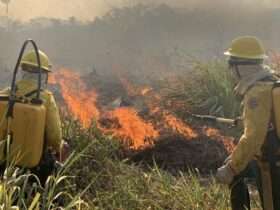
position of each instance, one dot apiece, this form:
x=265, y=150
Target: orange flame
x=179, y=126
x=132, y=128
x=216, y=134
x=124, y=122
x=80, y=102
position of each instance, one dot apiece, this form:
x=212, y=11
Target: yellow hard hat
x=247, y=47
x=30, y=59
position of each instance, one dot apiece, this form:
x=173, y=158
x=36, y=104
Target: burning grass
x=119, y=184
x=143, y=125
x=154, y=135
x=133, y=130
x=80, y=101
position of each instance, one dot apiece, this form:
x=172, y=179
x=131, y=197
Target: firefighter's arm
x=257, y=113
x=53, y=125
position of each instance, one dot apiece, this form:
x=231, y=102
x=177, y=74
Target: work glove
x=225, y=174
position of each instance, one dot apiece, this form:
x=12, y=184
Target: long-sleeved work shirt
x=257, y=117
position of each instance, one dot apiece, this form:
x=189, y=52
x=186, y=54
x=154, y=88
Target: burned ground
x=175, y=153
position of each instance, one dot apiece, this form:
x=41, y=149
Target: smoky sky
x=88, y=9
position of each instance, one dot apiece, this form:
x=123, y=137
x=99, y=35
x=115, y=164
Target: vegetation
x=97, y=177
x=207, y=88
x=213, y=89
x=116, y=183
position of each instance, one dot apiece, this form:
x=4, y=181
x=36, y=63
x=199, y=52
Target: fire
x=212, y=132
x=169, y=120
x=132, y=128
x=179, y=126
x=216, y=134
x=80, y=101
x=125, y=122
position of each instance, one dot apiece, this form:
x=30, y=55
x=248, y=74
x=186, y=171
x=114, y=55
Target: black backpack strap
x=271, y=147
x=29, y=94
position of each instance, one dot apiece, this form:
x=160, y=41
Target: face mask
x=34, y=77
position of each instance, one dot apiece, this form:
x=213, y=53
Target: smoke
x=88, y=9
x=82, y=9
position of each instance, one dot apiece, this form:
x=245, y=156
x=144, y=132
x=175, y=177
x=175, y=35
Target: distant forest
x=140, y=38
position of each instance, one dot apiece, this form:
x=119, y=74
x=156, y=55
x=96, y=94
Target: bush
x=206, y=88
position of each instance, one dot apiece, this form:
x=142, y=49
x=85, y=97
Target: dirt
x=176, y=153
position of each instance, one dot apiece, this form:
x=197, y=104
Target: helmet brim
x=44, y=68
x=228, y=53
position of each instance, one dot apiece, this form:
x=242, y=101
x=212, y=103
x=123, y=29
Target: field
x=107, y=170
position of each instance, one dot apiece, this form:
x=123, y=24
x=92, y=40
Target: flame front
x=132, y=128
x=125, y=122
x=228, y=142
x=179, y=126
x=80, y=102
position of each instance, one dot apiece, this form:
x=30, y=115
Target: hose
x=12, y=96
x=13, y=84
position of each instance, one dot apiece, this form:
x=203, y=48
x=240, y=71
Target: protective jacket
x=257, y=114
x=53, y=133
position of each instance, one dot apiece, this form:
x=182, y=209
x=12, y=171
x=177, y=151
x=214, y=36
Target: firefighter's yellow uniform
x=27, y=148
x=255, y=85
x=257, y=115
x=246, y=62
x=53, y=133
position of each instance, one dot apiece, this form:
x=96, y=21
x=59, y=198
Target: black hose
x=13, y=84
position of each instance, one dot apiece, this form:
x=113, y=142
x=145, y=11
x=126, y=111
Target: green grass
x=97, y=177
x=206, y=87
x=22, y=190
x=119, y=184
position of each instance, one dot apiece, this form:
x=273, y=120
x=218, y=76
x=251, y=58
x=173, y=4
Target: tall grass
x=99, y=177
x=214, y=88
x=117, y=183
x=20, y=189
x=207, y=87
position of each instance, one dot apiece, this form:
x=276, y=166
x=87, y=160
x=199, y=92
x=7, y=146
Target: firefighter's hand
x=225, y=174
x=64, y=152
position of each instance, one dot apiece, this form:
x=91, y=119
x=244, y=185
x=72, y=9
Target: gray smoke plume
x=89, y=9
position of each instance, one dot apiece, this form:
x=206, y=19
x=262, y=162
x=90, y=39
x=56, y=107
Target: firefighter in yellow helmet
x=255, y=82
x=27, y=86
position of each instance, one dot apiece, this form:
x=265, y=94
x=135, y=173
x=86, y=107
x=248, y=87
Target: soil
x=175, y=153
